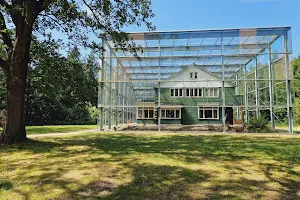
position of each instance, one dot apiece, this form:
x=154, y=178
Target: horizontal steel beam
x=200, y=47
x=156, y=74
x=164, y=67
x=187, y=58
x=208, y=33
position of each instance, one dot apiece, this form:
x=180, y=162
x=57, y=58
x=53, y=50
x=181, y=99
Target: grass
x=56, y=129
x=152, y=166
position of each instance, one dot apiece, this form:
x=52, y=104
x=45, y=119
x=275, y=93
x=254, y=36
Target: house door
x=229, y=114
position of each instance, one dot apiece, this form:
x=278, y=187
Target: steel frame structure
x=256, y=60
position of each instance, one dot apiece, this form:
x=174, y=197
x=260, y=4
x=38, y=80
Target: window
x=176, y=92
x=171, y=113
x=208, y=113
x=145, y=113
x=212, y=92
x=193, y=75
x=194, y=92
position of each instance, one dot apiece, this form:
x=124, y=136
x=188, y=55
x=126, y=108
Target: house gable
x=204, y=79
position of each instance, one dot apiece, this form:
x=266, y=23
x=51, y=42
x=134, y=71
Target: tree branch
x=4, y=33
x=5, y=4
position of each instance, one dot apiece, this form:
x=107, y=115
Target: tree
x=296, y=67
x=77, y=19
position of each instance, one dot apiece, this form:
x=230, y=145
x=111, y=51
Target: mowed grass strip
x=57, y=129
x=152, y=166
x=31, y=130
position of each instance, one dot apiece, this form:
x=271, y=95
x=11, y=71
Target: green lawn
x=152, y=166
x=57, y=129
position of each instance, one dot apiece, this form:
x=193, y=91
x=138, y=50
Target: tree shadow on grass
x=5, y=185
x=148, y=182
x=154, y=181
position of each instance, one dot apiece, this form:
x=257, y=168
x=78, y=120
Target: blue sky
x=211, y=14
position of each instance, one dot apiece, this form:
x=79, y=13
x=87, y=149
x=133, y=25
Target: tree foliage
x=80, y=20
x=61, y=90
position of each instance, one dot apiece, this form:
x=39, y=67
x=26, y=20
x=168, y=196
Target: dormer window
x=193, y=75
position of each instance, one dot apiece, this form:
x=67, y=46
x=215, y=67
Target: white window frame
x=174, y=92
x=193, y=75
x=165, y=113
x=194, y=89
x=215, y=91
x=212, y=108
x=143, y=109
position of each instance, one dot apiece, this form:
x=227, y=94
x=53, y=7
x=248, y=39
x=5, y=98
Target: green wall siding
x=189, y=112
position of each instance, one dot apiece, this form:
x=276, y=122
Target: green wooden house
x=191, y=96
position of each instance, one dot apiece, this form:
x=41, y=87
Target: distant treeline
x=60, y=89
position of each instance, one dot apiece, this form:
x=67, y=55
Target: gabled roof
x=193, y=65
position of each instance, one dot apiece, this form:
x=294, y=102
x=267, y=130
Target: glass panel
x=170, y=113
x=200, y=92
x=172, y=92
x=215, y=114
x=191, y=75
x=208, y=113
x=192, y=92
x=207, y=92
x=187, y=92
x=146, y=113
x=177, y=114
x=196, y=74
x=163, y=114
x=150, y=113
x=140, y=114
x=180, y=92
x=176, y=92
x=196, y=92
x=201, y=114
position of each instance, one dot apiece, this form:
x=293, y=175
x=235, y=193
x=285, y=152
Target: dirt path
x=61, y=134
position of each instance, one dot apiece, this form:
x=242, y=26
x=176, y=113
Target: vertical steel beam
x=257, y=89
x=246, y=95
x=126, y=102
x=288, y=84
x=102, y=88
x=123, y=97
x=110, y=91
x=271, y=88
x=159, y=107
x=117, y=95
x=223, y=86
x=237, y=93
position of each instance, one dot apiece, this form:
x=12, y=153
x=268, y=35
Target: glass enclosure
x=242, y=72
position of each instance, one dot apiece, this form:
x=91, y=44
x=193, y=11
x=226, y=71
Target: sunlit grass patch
x=57, y=129
x=152, y=166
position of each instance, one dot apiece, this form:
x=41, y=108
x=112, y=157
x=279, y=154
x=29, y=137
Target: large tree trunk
x=15, y=126
x=16, y=86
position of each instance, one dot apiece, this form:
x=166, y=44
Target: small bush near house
x=258, y=125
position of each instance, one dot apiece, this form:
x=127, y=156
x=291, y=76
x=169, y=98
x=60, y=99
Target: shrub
x=258, y=125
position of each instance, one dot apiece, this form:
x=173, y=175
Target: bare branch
x=56, y=21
